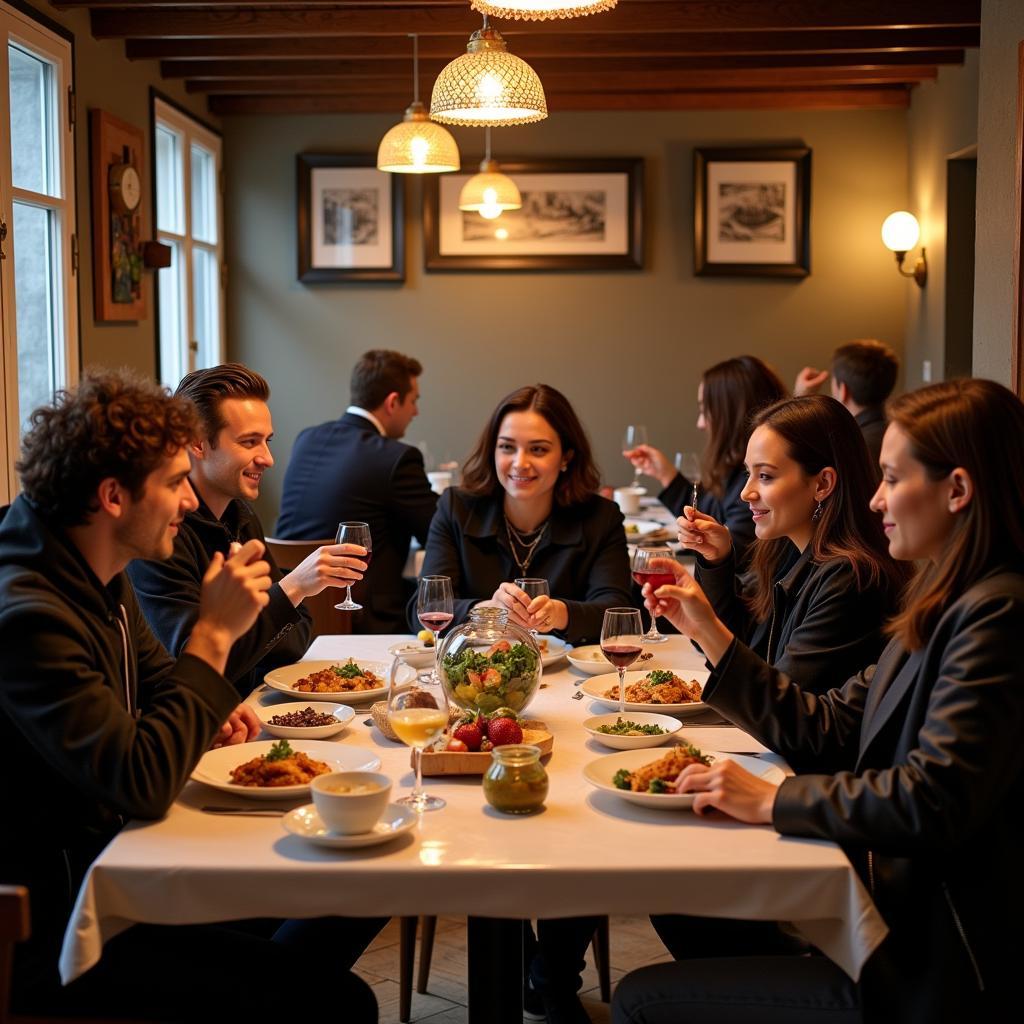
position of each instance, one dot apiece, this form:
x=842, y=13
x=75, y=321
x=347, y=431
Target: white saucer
x=305, y=823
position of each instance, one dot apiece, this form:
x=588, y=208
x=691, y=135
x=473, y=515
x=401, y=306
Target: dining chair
x=327, y=620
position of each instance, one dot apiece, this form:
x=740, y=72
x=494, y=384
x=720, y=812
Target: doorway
x=961, y=187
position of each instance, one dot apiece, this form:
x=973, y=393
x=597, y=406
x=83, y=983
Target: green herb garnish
x=347, y=671
x=279, y=751
x=658, y=786
x=657, y=675
x=629, y=728
x=622, y=779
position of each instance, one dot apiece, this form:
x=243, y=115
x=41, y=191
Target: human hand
x=729, y=788
x=242, y=725
x=333, y=565
x=516, y=602
x=809, y=381
x=547, y=614
x=651, y=462
x=685, y=605
x=234, y=590
x=704, y=534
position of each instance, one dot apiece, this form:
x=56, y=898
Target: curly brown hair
x=115, y=423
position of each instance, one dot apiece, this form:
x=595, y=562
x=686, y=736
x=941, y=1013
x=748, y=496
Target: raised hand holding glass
x=354, y=533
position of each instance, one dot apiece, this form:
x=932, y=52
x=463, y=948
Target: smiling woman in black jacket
x=914, y=766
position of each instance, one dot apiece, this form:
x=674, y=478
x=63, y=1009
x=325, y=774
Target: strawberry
x=470, y=734
x=503, y=731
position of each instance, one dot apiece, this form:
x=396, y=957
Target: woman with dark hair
x=914, y=766
x=728, y=396
x=528, y=507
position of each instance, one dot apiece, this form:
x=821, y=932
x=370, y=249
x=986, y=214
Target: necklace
x=528, y=546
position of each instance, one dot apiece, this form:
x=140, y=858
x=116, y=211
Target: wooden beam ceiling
x=316, y=56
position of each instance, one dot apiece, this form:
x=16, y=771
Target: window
x=189, y=219
x=38, y=289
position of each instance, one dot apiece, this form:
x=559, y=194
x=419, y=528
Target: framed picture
x=576, y=215
x=752, y=211
x=351, y=225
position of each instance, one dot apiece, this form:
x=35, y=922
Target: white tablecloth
x=588, y=852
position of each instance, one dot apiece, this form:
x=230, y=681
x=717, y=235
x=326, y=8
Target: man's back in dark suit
x=346, y=470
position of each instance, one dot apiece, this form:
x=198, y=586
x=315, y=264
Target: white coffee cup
x=350, y=803
x=628, y=499
x=439, y=481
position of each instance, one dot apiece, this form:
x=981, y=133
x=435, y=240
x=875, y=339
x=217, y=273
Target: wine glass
x=635, y=434
x=418, y=714
x=435, y=607
x=620, y=643
x=688, y=464
x=532, y=588
x=645, y=572
x=354, y=533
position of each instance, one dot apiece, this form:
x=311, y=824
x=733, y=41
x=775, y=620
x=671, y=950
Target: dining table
x=587, y=852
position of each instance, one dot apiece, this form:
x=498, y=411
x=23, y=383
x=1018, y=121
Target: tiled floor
x=633, y=944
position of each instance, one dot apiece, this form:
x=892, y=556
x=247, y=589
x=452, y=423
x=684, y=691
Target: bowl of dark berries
x=298, y=720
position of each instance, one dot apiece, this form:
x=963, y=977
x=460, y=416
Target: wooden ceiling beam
x=634, y=16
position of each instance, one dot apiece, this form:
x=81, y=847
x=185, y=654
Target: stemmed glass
x=435, y=606
x=532, y=588
x=354, y=533
x=688, y=464
x=645, y=572
x=620, y=643
x=635, y=434
x=418, y=713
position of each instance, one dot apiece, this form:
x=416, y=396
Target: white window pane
x=171, y=297
x=170, y=189
x=33, y=160
x=204, y=195
x=37, y=305
x=205, y=307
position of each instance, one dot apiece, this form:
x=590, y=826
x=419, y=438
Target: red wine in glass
x=656, y=579
x=435, y=621
x=621, y=655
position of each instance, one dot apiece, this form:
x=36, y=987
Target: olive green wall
x=623, y=346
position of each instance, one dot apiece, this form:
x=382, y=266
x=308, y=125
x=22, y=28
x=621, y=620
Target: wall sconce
x=900, y=232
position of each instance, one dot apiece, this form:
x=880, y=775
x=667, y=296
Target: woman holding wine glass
x=728, y=394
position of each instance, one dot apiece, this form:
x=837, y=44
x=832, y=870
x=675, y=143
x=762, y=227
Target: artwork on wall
x=752, y=211
x=350, y=224
x=116, y=148
x=576, y=215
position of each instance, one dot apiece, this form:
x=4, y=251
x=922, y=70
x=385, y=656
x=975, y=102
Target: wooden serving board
x=457, y=763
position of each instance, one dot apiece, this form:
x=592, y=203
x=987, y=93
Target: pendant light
x=487, y=85
x=417, y=145
x=489, y=193
x=541, y=10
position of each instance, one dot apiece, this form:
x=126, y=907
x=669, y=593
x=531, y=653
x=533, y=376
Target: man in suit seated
x=228, y=462
x=356, y=468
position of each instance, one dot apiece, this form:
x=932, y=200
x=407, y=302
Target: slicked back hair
x=208, y=388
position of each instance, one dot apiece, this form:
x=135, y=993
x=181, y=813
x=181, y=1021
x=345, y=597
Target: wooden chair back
x=326, y=618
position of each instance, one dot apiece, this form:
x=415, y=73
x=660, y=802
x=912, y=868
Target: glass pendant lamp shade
x=541, y=10
x=900, y=231
x=490, y=193
x=487, y=85
x=418, y=146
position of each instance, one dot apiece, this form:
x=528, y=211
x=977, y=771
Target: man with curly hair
x=98, y=723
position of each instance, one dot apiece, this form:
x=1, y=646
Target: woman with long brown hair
x=914, y=765
x=728, y=396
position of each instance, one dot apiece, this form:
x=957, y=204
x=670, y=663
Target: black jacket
x=872, y=423
x=822, y=628
x=730, y=510
x=345, y=470
x=582, y=556
x=916, y=767
x=168, y=592
x=79, y=759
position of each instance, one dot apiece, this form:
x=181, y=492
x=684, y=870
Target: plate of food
x=666, y=691
x=591, y=659
x=645, y=777
x=303, y=721
x=417, y=652
x=306, y=823
x=632, y=731
x=347, y=680
x=278, y=769
x=639, y=529
x=552, y=649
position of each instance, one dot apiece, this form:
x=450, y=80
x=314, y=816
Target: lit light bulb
x=490, y=211
x=900, y=231
x=501, y=234
x=489, y=87
x=420, y=149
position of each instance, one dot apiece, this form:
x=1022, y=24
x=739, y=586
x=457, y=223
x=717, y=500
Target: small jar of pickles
x=515, y=781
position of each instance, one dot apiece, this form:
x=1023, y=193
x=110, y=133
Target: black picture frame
x=755, y=225
x=372, y=199
x=608, y=236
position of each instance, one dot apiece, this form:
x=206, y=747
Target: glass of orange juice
x=418, y=713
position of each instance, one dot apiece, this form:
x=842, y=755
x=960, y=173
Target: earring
x=816, y=514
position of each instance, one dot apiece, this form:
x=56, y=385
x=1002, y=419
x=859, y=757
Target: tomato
x=457, y=747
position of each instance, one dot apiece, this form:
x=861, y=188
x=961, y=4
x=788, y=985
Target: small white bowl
x=590, y=659
x=351, y=803
x=669, y=724
x=341, y=713
x=414, y=652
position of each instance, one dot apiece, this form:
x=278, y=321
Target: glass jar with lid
x=515, y=781
x=489, y=663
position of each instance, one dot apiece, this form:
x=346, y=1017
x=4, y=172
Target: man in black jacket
x=97, y=723
x=228, y=462
x=356, y=468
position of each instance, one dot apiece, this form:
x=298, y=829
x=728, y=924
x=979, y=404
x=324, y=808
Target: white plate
x=598, y=686
x=589, y=659
x=214, y=768
x=342, y=714
x=644, y=527
x=414, y=652
x=557, y=650
x=599, y=773
x=669, y=724
x=285, y=678
x=305, y=822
